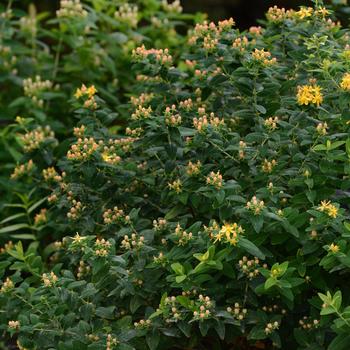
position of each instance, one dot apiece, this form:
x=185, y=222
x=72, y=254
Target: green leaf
x=340, y=342
x=152, y=339
x=270, y=282
x=36, y=204
x=250, y=247
x=178, y=268
x=257, y=222
x=12, y=217
x=105, y=312
x=180, y=279
x=12, y=228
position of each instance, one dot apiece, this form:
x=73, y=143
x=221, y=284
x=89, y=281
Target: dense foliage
x=44, y=59
x=220, y=213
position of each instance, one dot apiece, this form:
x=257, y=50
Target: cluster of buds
x=49, y=279
x=88, y=94
x=309, y=94
x=41, y=217
x=83, y=149
x=255, y=205
x=271, y=123
x=267, y=166
x=111, y=342
x=83, y=269
x=160, y=22
x=143, y=324
x=50, y=174
x=124, y=143
x=308, y=323
x=115, y=216
x=330, y=209
x=127, y=14
x=34, y=88
x=322, y=128
x=79, y=131
x=273, y=309
x=160, y=224
x=14, y=325
x=160, y=259
x=109, y=154
x=171, y=117
x=22, y=169
x=162, y=56
x=240, y=43
x=93, y=337
x=174, y=7
x=270, y=327
x=171, y=311
x=28, y=25
x=7, y=59
x=75, y=211
x=212, y=229
x=255, y=30
x=241, y=149
x=7, y=286
x=225, y=24
x=102, y=247
x=182, y=236
x=202, y=123
x=264, y=57
x=193, y=169
x=142, y=100
x=176, y=186
x=277, y=15
x=229, y=233
x=7, y=246
x=204, y=308
x=141, y=113
x=215, y=179
x=133, y=242
x=210, y=43
x=190, y=64
x=134, y=132
x=71, y=9
x=150, y=79
x=237, y=312
x=52, y=198
x=33, y=139
x=201, y=74
x=186, y=104
x=249, y=267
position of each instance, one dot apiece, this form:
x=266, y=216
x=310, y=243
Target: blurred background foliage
x=245, y=12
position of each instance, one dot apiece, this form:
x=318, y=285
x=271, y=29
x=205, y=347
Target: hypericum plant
x=44, y=58
x=220, y=215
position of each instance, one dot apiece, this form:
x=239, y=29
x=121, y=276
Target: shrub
x=222, y=213
x=44, y=59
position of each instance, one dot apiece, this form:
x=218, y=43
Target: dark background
x=244, y=12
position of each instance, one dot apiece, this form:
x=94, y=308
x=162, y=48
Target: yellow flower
x=333, y=211
x=230, y=232
x=91, y=91
x=334, y=248
x=345, y=83
x=304, y=12
x=309, y=94
x=330, y=209
x=78, y=93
